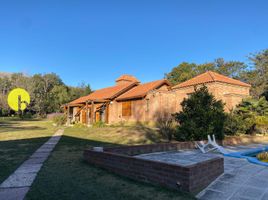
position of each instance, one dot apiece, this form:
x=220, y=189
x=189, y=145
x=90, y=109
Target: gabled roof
x=209, y=77
x=127, y=77
x=105, y=93
x=141, y=90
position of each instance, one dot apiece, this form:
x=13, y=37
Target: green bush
x=201, y=115
x=234, y=125
x=249, y=117
x=59, y=120
x=27, y=115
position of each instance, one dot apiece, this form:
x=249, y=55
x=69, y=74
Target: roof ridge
x=209, y=72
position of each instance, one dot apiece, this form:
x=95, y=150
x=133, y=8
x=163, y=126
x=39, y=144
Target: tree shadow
x=150, y=133
x=12, y=125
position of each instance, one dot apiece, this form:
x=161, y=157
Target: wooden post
x=107, y=113
x=87, y=121
x=68, y=115
x=92, y=112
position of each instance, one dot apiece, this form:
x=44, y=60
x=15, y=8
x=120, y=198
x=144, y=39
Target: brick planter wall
x=192, y=178
x=150, y=148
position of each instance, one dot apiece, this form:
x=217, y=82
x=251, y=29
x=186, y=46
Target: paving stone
x=265, y=196
x=28, y=168
x=13, y=193
x=229, y=188
x=238, y=198
x=215, y=195
x=19, y=180
x=51, y=143
x=245, y=180
x=257, y=182
x=233, y=178
x=39, y=160
x=16, y=186
x=262, y=173
x=44, y=150
x=40, y=155
x=249, y=192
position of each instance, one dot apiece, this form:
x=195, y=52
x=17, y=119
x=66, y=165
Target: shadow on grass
x=150, y=133
x=11, y=124
x=8, y=128
x=65, y=175
x=14, y=152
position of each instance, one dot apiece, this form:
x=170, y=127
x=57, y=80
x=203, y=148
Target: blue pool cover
x=249, y=155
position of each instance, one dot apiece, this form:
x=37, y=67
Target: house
x=131, y=101
x=230, y=91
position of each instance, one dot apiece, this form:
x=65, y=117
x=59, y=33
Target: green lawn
x=18, y=140
x=66, y=176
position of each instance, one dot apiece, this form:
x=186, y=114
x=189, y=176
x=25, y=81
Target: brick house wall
x=158, y=101
x=231, y=95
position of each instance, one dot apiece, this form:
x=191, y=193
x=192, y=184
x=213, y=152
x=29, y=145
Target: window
x=126, y=108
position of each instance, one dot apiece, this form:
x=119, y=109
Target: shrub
x=59, y=120
x=27, y=115
x=254, y=114
x=263, y=156
x=201, y=115
x=234, y=124
x=166, y=124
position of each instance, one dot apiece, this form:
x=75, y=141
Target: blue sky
x=97, y=41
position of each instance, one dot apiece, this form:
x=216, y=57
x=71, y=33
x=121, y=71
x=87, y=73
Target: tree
x=81, y=90
x=254, y=113
x=182, y=72
x=185, y=71
x=47, y=91
x=258, y=75
x=5, y=87
x=201, y=115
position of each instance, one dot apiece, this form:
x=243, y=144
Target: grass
x=18, y=140
x=66, y=176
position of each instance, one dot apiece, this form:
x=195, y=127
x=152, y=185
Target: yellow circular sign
x=18, y=99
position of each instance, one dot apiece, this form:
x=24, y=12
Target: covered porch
x=88, y=113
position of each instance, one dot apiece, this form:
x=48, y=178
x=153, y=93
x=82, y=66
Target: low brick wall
x=192, y=178
x=150, y=148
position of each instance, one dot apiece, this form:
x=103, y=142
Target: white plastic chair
x=215, y=145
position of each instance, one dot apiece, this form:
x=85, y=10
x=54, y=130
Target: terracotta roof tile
x=141, y=90
x=208, y=77
x=105, y=93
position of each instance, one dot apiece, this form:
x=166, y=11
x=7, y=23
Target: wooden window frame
x=126, y=108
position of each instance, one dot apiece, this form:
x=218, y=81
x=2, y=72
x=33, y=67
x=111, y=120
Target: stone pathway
x=16, y=186
x=241, y=180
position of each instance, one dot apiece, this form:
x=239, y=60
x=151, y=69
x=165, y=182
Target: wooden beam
x=68, y=116
x=92, y=112
x=87, y=121
x=100, y=101
x=107, y=113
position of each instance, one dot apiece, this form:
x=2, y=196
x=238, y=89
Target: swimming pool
x=250, y=155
